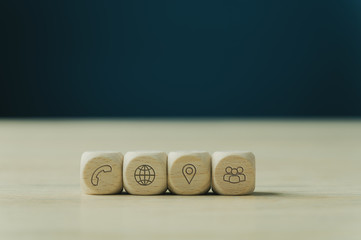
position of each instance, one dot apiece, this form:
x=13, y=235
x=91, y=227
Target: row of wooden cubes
x=153, y=172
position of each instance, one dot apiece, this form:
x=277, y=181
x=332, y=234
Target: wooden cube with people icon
x=189, y=172
x=101, y=172
x=145, y=172
x=233, y=173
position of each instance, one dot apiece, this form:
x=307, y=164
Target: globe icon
x=144, y=175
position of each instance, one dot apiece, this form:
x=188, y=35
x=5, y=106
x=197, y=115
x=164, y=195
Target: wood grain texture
x=145, y=172
x=233, y=172
x=308, y=181
x=101, y=172
x=189, y=172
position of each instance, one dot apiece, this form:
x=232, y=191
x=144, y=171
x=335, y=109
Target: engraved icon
x=95, y=176
x=234, y=175
x=189, y=170
x=144, y=175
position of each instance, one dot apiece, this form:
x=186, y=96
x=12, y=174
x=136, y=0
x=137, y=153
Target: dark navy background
x=180, y=58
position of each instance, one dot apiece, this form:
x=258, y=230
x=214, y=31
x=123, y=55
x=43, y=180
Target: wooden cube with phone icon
x=101, y=172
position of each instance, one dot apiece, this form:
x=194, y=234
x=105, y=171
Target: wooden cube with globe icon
x=145, y=172
x=189, y=172
x=233, y=173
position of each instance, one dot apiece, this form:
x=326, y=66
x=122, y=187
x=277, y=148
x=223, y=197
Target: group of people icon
x=234, y=175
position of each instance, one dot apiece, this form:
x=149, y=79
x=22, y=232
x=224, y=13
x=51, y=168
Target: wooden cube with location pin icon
x=101, y=172
x=145, y=172
x=189, y=172
x=233, y=173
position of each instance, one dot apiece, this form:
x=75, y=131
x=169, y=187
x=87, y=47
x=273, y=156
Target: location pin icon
x=189, y=170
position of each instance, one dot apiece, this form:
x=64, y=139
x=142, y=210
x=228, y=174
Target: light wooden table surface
x=308, y=181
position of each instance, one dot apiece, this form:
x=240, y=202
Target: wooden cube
x=145, y=173
x=233, y=173
x=101, y=172
x=189, y=173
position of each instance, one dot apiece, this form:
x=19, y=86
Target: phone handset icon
x=95, y=176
